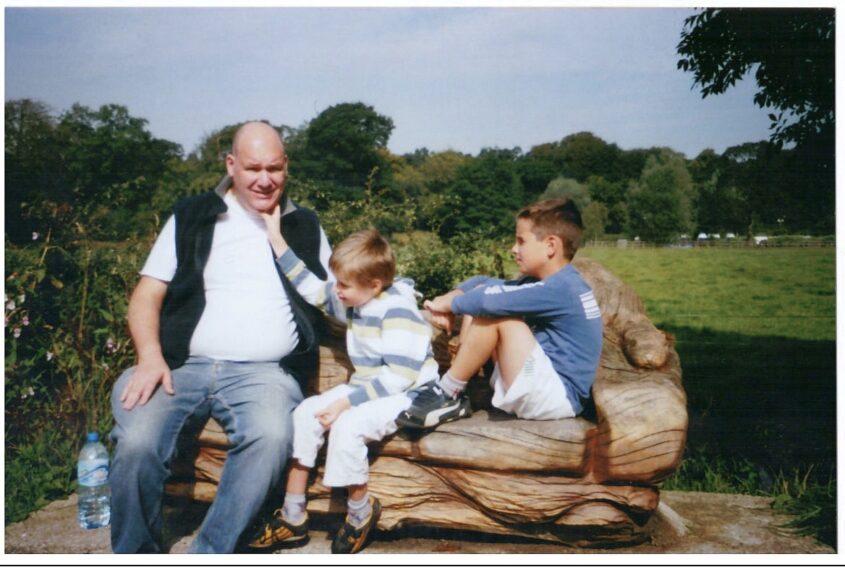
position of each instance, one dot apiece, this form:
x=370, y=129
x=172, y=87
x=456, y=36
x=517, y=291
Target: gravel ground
x=714, y=524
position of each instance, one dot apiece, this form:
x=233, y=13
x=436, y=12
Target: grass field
x=756, y=334
x=783, y=292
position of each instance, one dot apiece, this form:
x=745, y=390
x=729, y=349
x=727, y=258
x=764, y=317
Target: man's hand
x=329, y=414
x=272, y=222
x=146, y=378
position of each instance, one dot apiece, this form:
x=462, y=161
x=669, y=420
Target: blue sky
x=450, y=78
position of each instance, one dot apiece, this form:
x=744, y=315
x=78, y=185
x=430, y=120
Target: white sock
x=294, y=507
x=452, y=386
x=359, y=510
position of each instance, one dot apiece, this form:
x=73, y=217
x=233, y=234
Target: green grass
x=784, y=292
x=755, y=331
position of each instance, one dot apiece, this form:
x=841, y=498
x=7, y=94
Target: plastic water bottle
x=94, y=492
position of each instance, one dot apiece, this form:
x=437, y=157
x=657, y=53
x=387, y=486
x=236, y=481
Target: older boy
x=544, y=330
x=389, y=344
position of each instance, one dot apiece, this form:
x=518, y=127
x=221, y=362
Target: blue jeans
x=252, y=401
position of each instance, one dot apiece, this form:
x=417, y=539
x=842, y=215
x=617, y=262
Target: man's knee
x=273, y=433
x=138, y=443
x=119, y=385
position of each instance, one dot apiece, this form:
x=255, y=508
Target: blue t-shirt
x=560, y=310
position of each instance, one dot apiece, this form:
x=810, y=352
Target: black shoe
x=350, y=539
x=431, y=407
x=278, y=531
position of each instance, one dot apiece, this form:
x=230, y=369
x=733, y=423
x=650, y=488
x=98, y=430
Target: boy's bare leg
x=466, y=323
x=510, y=339
x=297, y=479
x=293, y=507
x=357, y=491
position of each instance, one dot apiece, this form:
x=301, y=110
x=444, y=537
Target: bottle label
x=93, y=473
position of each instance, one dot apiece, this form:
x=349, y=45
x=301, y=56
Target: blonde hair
x=556, y=217
x=363, y=257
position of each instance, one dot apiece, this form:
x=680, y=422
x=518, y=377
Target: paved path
x=715, y=523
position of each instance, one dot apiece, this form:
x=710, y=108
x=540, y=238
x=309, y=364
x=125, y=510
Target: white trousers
x=346, y=455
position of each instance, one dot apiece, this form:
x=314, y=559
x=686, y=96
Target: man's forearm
x=144, y=317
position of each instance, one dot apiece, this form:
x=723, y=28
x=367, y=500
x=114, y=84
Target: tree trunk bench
x=588, y=481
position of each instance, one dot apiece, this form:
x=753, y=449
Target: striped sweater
x=388, y=341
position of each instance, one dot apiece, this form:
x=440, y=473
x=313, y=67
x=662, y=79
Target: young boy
x=389, y=344
x=543, y=330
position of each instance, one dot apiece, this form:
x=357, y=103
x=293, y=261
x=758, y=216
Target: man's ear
x=230, y=164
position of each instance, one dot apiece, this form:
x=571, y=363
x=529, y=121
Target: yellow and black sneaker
x=351, y=539
x=278, y=531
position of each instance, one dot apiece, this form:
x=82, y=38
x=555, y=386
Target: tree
x=721, y=208
x=33, y=175
x=113, y=166
x=489, y=194
x=341, y=148
x=594, y=217
x=535, y=173
x=793, y=51
x=585, y=154
x=659, y=205
x=612, y=196
x=566, y=187
x=440, y=169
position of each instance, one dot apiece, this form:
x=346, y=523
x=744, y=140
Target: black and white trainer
x=431, y=407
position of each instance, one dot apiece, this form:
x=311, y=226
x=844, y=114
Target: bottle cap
x=92, y=436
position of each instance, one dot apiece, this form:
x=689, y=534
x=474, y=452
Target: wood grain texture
x=590, y=481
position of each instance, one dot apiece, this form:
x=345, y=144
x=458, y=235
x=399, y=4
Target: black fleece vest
x=184, y=301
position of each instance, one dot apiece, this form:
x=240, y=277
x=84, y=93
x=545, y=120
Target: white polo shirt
x=247, y=316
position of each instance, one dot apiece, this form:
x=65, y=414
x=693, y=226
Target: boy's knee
x=345, y=429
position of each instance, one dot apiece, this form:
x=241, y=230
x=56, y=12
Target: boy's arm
x=477, y=281
x=315, y=291
x=507, y=299
x=406, y=340
x=440, y=308
x=318, y=293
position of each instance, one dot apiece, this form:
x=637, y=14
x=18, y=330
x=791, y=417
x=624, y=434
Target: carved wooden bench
x=589, y=481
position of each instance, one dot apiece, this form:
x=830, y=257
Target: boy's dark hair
x=556, y=217
x=363, y=257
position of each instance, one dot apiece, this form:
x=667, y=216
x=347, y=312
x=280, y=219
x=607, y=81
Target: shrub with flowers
x=65, y=343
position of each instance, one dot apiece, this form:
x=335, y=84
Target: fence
x=791, y=243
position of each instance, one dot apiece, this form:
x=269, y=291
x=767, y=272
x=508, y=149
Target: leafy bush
x=65, y=345
x=437, y=267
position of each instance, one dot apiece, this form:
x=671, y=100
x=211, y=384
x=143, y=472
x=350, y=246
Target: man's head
x=258, y=167
x=364, y=265
x=546, y=230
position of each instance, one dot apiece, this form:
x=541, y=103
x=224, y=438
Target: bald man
x=220, y=332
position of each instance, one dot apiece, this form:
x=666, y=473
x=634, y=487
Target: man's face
x=258, y=169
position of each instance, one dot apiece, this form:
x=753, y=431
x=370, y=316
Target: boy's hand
x=329, y=414
x=272, y=222
x=440, y=319
x=441, y=311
